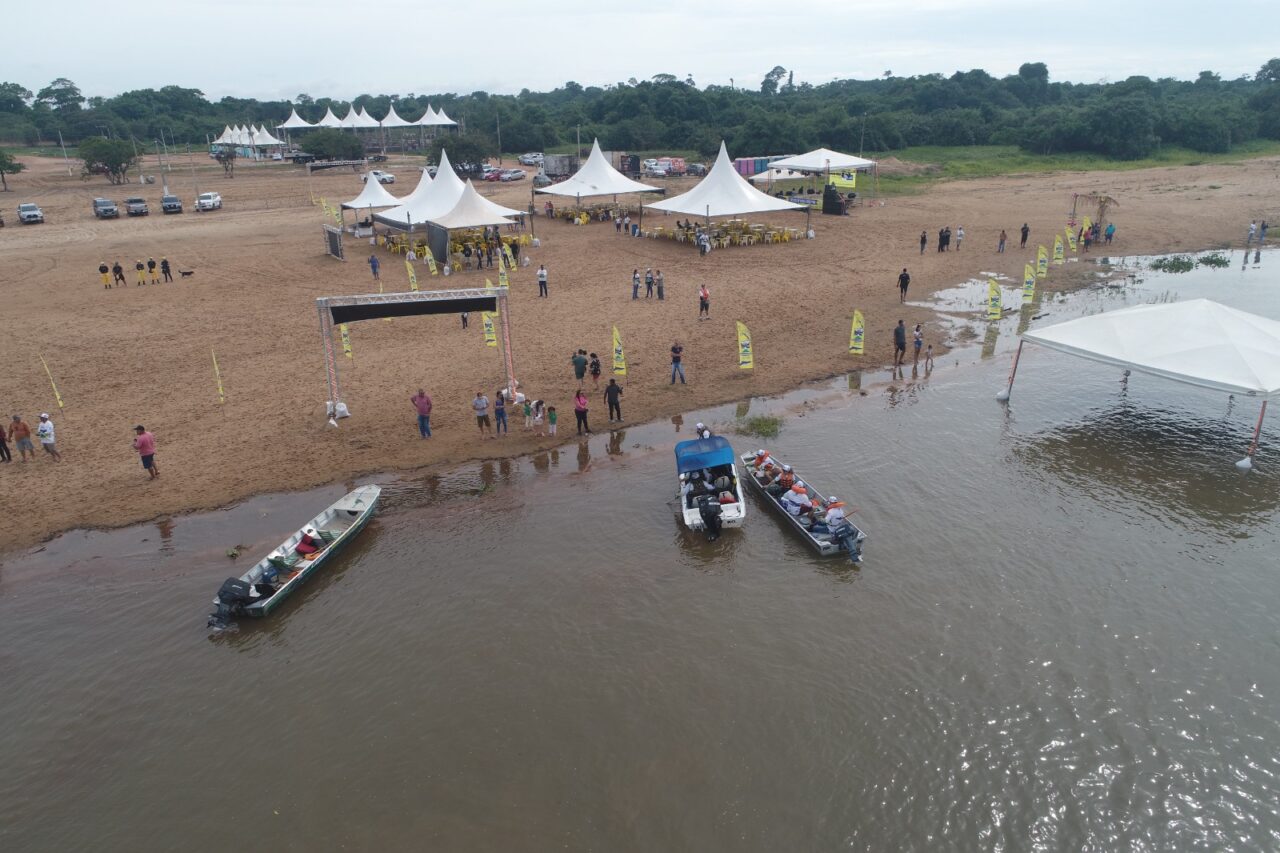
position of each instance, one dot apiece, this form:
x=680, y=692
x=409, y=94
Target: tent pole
x=330, y=359
x=507, y=357
x=1003, y=395
x=1247, y=462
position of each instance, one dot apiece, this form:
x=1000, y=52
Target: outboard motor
x=847, y=537
x=232, y=597
x=709, y=511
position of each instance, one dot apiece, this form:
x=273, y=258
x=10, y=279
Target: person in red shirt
x=145, y=444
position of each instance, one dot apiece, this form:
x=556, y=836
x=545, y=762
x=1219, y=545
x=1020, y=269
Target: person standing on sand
x=466, y=318
x=648, y=283
x=904, y=280
x=613, y=397
x=661, y=283
x=942, y=237
x=542, y=279
x=5, y=455
x=899, y=343
x=145, y=443
x=151, y=270
x=44, y=432
x=500, y=414
x=677, y=362
x=594, y=370
x=105, y=272
x=635, y=284
x=579, y=361
x=373, y=266
x=480, y=405
x=959, y=237
x=924, y=241
x=704, y=303
x=21, y=435
x=917, y=341
x=580, y=411
x=422, y=403
x=117, y=273
x=1253, y=232
x=141, y=269
x=1026, y=232
x=166, y=270
x=1003, y=239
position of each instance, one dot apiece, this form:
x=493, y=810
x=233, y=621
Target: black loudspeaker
x=832, y=203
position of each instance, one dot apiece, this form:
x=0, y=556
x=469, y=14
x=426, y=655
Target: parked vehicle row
x=30, y=213
x=493, y=173
x=533, y=158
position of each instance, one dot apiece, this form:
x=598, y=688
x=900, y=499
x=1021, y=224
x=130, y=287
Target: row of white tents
x=247, y=137
x=360, y=118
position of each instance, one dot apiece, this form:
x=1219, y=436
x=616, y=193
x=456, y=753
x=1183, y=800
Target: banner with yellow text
x=346, y=340
x=1028, y=283
x=1042, y=262
x=413, y=276
x=490, y=333
x=993, y=300
x=1058, y=254
x=1071, y=239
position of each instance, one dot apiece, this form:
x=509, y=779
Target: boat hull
x=826, y=547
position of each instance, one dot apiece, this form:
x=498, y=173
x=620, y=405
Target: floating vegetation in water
x=761, y=426
x=1174, y=263
x=1214, y=259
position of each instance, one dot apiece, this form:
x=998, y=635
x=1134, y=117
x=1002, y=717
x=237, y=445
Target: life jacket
x=787, y=479
x=760, y=458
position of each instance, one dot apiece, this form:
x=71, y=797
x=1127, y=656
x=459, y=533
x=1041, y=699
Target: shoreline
x=1083, y=276
x=142, y=355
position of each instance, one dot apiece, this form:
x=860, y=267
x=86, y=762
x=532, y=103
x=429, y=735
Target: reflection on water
x=1058, y=642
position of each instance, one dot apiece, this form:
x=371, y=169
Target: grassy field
x=39, y=151
x=984, y=161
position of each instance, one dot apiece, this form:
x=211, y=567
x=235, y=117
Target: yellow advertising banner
x=746, y=355
x=857, y=335
x=619, y=355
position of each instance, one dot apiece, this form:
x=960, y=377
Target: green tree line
x=1126, y=119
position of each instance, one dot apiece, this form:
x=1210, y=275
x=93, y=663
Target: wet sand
x=144, y=354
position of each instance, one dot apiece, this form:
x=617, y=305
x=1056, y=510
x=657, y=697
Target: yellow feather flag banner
x=337, y=216
x=413, y=276
x=490, y=333
x=1028, y=283
x=431, y=263
x=502, y=279
x=994, y=309
x=1088, y=224
x=858, y=335
x=619, y=356
x=217, y=375
x=746, y=355
x=1071, y=239
x=511, y=259
x=1058, y=254
x=52, y=384
x=346, y=340
x=1042, y=262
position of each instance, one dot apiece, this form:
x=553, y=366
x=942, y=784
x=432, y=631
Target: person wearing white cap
x=781, y=483
x=702, y=431
x=44, y=432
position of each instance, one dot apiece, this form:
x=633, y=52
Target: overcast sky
x=279, y=48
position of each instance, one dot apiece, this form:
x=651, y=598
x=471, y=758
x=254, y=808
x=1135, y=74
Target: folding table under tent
x=1198, y=342
x=723, y=192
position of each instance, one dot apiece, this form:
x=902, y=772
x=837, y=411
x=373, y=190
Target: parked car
x=136, y=206
x=654, y=172
x=302, y=157
x=208, y=201
x=105, y=208
x=276, y=155
x=651, y=163
x=531, y=159
x=377, y=158
x=513, y=175
x=696, y=169
x=485, y=169
x=379, y=176
x=541, y=179
x=29, y=213
x=170, y=204
x=493, y=175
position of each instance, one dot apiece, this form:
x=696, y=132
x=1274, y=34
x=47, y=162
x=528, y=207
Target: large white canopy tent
x=294, y=122
x=443, y=120
x=824, y=160
x=393, y=119
x=363, y=119
x=375, y=194
x=435, y=199
x=723, y=192
x=474, y=211
x=329, y=119
x=597, y=177
x=428, y=118
x=1198, y=342
x=263, y=139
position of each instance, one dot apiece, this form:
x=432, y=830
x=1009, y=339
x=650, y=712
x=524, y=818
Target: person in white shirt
x=796, y=502
x=44, y=432
x=542, y=280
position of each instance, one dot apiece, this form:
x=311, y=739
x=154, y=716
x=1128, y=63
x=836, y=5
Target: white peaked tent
x=350, y=119
x=428, y=118
x=393, y=119
x=374, y=194
x=473, y=210
x=436, y=199
x=329, y=120
x=294, y=122
x=597, y=177
x=723, y=192
x=1197, y=342
x=363, y=119
x=225, y=137
x=444, y=120
x=419, y=192
x=263, y=139
x=824, y=160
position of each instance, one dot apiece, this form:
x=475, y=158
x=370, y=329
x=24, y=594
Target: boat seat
x=285, y=563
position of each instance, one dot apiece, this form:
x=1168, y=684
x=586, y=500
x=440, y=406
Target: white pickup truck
x=29, y=213
x=208, y=201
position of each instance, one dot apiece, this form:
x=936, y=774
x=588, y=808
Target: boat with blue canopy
x=710, y=494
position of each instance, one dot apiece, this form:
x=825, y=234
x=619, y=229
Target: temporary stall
x=723, y=192
x=596, y=178
x=824, y=160
x=1197, y=342
x=427, y=202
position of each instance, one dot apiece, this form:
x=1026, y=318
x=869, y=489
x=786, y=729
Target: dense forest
x=1127, y=119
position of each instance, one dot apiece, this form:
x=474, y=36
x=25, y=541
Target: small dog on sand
x=186, y=273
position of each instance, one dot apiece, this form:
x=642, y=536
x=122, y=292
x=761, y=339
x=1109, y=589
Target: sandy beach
x=133, y=355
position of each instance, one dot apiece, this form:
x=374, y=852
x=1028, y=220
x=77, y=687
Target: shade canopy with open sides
x=723, y=192
x=1198, y=342
x=597, y=177
x=823, y=160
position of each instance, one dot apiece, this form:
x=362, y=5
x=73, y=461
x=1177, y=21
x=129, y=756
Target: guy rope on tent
x=335, y=310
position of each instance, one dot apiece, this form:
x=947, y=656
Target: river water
x=1064, y=637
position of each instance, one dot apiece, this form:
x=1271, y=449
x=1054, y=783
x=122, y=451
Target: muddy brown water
x=1063, y=637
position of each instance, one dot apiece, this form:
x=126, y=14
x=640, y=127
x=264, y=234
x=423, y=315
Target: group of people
x=780, y=481
x=1255, y=231
x=21, y=434
x=536, y=413
x=150, y=269
x=945, y=236
x=652, y=281
x=1090, y=236
x=917, y=341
